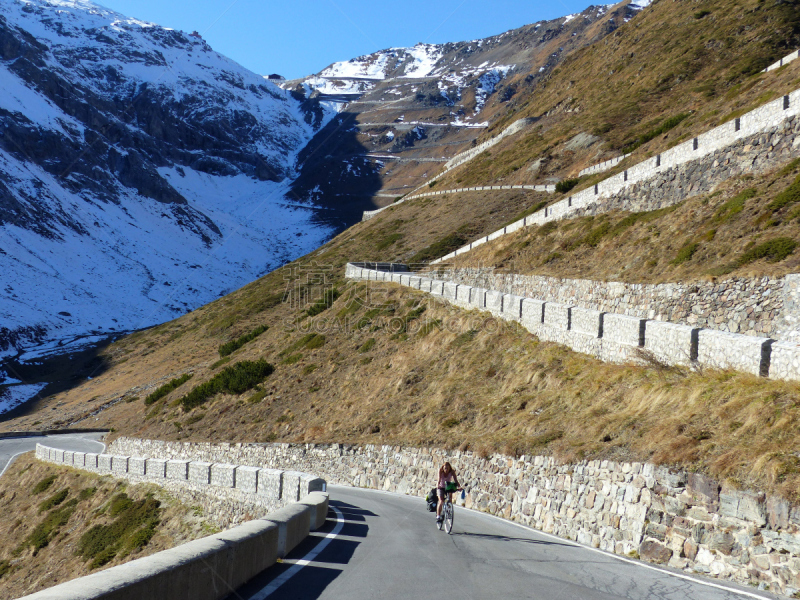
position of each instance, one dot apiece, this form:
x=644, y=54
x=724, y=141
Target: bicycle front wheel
x=448, y=517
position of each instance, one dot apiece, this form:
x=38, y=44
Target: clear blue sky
x=300, y=37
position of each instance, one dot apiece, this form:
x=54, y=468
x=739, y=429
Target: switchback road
x=78, y=442
x=382, y=545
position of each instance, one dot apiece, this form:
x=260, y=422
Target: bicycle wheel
x=448, y=517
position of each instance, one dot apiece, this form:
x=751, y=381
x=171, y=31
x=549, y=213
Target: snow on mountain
x=142, y=174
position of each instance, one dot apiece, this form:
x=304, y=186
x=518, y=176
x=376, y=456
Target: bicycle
x=447, y=509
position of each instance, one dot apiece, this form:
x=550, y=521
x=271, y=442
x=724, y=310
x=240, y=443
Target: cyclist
x=448, y=483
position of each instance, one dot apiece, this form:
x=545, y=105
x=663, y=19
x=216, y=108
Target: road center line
x=299, y=564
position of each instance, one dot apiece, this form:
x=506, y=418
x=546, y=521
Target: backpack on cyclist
x=432, y=500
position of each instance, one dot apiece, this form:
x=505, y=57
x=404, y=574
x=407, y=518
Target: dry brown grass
x=484, y=385
x=661, y=63
x=649, y=250
x=57, y=561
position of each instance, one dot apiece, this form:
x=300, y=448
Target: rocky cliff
x=141, y=173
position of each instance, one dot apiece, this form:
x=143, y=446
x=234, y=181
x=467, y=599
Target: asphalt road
x=388, y=547
x=78, y=442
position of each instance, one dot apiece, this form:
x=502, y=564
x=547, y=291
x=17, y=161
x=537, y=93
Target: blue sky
x=301, y=37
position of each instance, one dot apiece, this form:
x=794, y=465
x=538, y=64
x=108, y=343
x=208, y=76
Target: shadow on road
x=325, y=567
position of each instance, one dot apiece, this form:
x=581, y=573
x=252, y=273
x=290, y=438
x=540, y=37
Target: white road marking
x=578, y=545
x=621, y=558
x=306, y=560
x=10, y=460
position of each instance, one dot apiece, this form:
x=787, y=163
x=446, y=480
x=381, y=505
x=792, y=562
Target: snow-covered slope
x=142, y=174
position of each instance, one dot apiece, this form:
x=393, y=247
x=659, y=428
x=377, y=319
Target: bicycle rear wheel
x=448, y=517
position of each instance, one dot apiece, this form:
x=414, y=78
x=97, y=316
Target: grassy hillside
x=673, y=71
x=67, y=523
x=749, y=226
x=405, y=369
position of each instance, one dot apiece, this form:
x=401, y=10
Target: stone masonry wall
x=610, y=336
x=228, y=494
x=751, y=306
x=684, y=520
x=752, y=143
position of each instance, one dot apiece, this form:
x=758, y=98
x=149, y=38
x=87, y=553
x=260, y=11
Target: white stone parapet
x=671, y=343
x=723, y=350
x=222, y=484
x=785, y=60
x=766, y=118
x=621, y=338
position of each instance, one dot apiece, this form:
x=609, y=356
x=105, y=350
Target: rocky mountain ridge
x=405, y=111
x=141, y=172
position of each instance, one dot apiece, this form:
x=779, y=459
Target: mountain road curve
x=378, y=545
x=10, y=448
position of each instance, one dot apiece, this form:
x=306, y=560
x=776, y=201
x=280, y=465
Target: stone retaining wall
x=762, y=306
x=227, y=493
x=619, y=338
x=684, y=520
x=752, y=143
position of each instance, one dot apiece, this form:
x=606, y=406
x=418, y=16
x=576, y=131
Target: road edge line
x=272, y=586
x=624, y=559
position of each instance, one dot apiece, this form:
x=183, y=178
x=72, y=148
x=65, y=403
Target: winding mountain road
x=378, y=545
x=10, y=448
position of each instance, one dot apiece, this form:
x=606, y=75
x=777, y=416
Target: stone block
x=425, y=284
x=463, y=295
x=437, y=287
x=784, y=362
x=449, y=291
x=270, y=484
x=136, y=465
x=155, y=468
x=477, y=298
x=223, y=475
x=723, y=350
x=623, y=329
x=512, y=307
x=745, y=506
x=91, y=461
x=404, y=280
x=703, y=490
x=104, y=463
x=670, y=342
x=119, y=464
x=310, y=484
x=79, y=460
x=57, y=455
x=200, y=472
x=777, y=512
x=247, y=479
x=178, y=469
x=414, y=282
x=69, y=458
x=532, y=312
x=586, y=321
x=654, y=551
x=290, y=484
x=557, y=316
x=494, y=301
